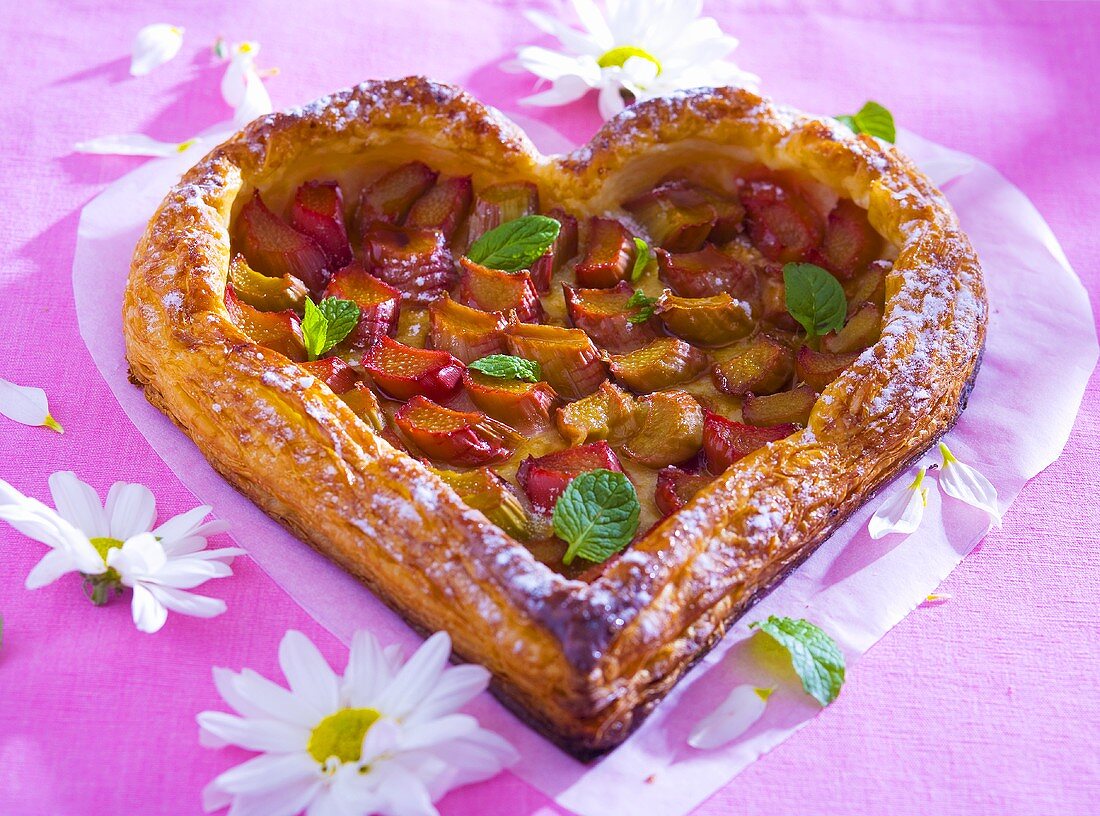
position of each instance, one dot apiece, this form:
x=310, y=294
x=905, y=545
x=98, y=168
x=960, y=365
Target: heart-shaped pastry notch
x=747, y=444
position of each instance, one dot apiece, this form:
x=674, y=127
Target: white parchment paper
x=1042, y=340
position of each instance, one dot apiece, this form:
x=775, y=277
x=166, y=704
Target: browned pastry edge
x=583, y=662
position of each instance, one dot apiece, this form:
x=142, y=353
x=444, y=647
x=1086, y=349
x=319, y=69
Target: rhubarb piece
x=676, y=487
x=278, y=331
x=543, y=479
x=416, y=262
x=364, y=403
x=493, y=290
x=706, y=273
x=501, y=203
x=850, y=242
x=333, y=372
x=389, y=198
x=404, y=372
x=462, y=438
x=781, y=224
x=665, y=362
x=861, y=331
x=868, y=286
x=786, y=407
x=378, y=304
x=608, y=255
x=526, y=406
x=274, y=248
x=264, y=293
x=726, y=441
x=609, y=317
x=318, y=211
x=677, y=215
x=569, y=361
x=819, y=368
x=444, y=207
x=712, y=321
x=761, y=365
x=608, y=413
x=484, y=490
x=773, y=302
x=671, y=430
x=469, y=334
x=563, y=248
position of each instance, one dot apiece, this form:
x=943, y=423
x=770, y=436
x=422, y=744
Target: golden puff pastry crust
x=582, y=662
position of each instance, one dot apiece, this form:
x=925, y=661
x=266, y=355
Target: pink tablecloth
x=987, y=703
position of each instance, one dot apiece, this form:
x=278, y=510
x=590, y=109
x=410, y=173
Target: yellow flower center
x=105, y=545
x=618, y=56
x=341, y=734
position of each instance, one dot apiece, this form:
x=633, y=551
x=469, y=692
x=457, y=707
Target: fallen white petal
x=902, y=511
x=744, y=706
x=27, y=405
x=255, y=101
x=153, y=46
x=133, y=144
x=968, y=485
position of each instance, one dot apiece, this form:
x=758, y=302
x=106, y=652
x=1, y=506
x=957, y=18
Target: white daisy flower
x=242, y=86
x=153, y=46
x=731, y=719
x=384, y=738
x=967, y=484
x=116, y=546
x=901, y=512
x=134, y=144
x=639, y=50
x=27, y=405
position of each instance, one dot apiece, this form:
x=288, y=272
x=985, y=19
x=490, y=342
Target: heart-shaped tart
x=436, y=477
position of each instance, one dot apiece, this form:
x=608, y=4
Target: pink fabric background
x=987, y=703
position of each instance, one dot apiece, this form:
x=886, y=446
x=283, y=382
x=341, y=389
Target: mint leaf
x=507, y=367
x=644, y=304
x=327, y=323
x=872, y=119
x=515, y=244
x=642, y=257
x=815, y=656
x=814, y=298
x=596, y=515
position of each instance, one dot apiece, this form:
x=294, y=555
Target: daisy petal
x=731, y=719
x=593, y=20
x=476, y=757
x=902, y=511
x=183, y=525
x=455, y=688
x=252, y=735
x=274, y=701
x=256, y=774
x=611, y=100
x=968, y=485
x=309, y=675
x=565, y=89
x=53, y=565
x=186, y=603
x=131, y=509
x=78, y=504
x=154, y=45
x=281, y=800
x=139, y=558
x=442, y=729
x=26, y=405
x=149, y=614
x=133, y=144
x=578, y=42
x=367, y=672
x=255, y=101
x=417, y=677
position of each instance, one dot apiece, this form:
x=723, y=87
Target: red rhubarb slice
x=278, y=331
x=318, y=211
x=562, y=250
x=761, y=365
x=444, y=207
x=706, y=273
x=665, y=362
x=779, y=409
x=676, y=487
x=417, y=262
x=608, y=255
x=462, y=438
x=333, y=372
x=608, y=413
x=493, y=290
x=484, y=490
x=676, y=214
x=378, y=303
x=861, y=331
x=819, y=368
x=389, y=198
x=274, y=248
x=266, y=294
x=500, y=203
x=404, y=372
x=726, y=441
x=570, y=363
x=526, y=406
x=544, y=478
x=712, y=321
x=781, y=224
x=671, y=429
x=850, y=242
x=467, y=333
x=603, y=314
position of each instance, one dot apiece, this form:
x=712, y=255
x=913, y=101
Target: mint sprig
x=507, y=367
x=814, y=298
x=872, y=119
x=644, y=304
x=515, y=244
x=816, y=658
x=327, y=323
x=596, y=515
x=642, y=257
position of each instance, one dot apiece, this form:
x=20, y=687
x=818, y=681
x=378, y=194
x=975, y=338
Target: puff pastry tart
x=433, y=481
